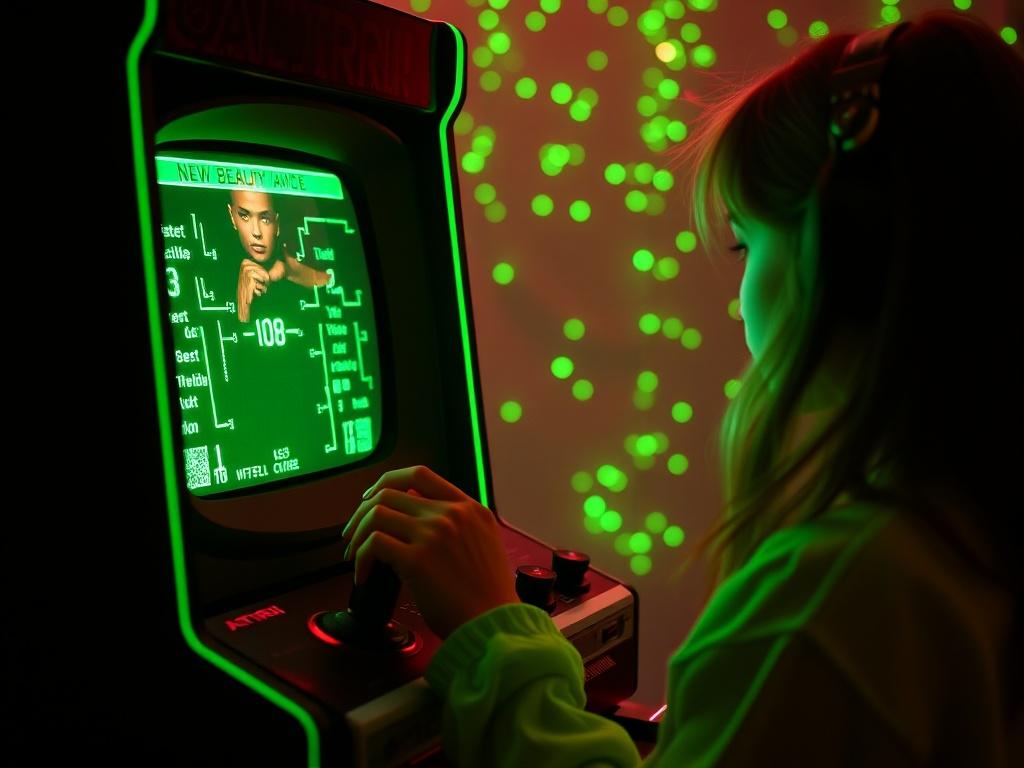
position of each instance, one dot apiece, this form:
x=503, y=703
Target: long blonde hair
x=881, y=237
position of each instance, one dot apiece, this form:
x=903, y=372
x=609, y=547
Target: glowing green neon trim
x=142, y=169
x=221, y=174
x=453, y=229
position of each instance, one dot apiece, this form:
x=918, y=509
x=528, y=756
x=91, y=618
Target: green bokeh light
x=647, y=381
x=682, y=412
x=663, y=180
x=542, y=205
x=498, y=4
x=490, y=81
x=622, y=544
x=579, y=210
x=597, y=6
x=891, y=14
x=562, y=367
x=588, y=95
x=689, y=32
x=732, y=388
x=673, y=536
x=652, y=76
x=677, y=464
x=576, y=154
x=703, y=5
x=495, y=212
x=558, y=154
x=511, y=411
x=535, y=21
x=817, y=29
x=485, y=193
x=611, y=521
x=608, y=475
x=686, y=241
x=636, y=201
x=650, y=21
x=420, y=6
x=667, y=268
x=643, y=173
x=690, y=338
x=643, y=260
x=704, y=56
x=673, y=9
x=574, y=329
x=655, y=522
x=646, y=445
x=786, y=36
x=777, y=18
x=734, y=309
x=463, y=124
x=503, y=273
x=472, y=162
x=672, y=327
x=582, y=481
x=640, y=542
x=582, y=389
x=646, y=106
x=483, y=57
x=1009, y=35
x=676, y=130
x=593, y=525
x=650, y=323
x=499, y=42
x=643, y=401
x=962, y=5
x=550, y=6
x=561, y=93
x=483, y=145
x=594, y=506
x=656, y=206
x=668, y=89
x=488, y=19
x=618, y=16
x=614, y=173
x=526, y=87
x=580, y=111
x=640, y=564
x=597, y=60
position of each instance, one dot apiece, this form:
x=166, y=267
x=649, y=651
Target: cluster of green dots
x=562, y=367
x=671, y=328
x=600, y=518
x=640, y=175
x=554, y=158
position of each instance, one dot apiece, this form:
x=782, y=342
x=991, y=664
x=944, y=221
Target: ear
x=231, y=215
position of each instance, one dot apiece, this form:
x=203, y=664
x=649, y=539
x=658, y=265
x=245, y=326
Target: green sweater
x=858, y=638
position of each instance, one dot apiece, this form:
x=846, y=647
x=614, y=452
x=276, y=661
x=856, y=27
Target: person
x=258, y=225
x=867, y=605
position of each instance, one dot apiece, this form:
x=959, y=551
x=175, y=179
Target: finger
x=387, y=550
x=396, y=500
x=381, y=518
x=421, y=479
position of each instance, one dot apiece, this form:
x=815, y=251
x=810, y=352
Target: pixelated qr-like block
x=364, y=435
x=197, y=467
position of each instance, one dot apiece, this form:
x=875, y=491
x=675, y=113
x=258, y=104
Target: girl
x=867, y=607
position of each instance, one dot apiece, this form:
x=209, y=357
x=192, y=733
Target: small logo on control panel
x=248, y=619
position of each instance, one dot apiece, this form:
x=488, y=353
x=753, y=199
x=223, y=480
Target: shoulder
x=787, y=579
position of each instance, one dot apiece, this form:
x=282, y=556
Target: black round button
x=570, y=568
x=534, y=584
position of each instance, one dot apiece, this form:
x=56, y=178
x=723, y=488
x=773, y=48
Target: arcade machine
x=311, y=329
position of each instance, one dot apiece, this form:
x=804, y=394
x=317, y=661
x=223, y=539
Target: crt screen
x=276, y=360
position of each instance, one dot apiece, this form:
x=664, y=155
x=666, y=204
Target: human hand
x=442, y=543
x=252, y=282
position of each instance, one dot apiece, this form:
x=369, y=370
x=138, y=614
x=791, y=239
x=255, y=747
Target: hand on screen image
x=258, y=225
x=445, y=545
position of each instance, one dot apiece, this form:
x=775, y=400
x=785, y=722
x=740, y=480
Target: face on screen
x=254, y=218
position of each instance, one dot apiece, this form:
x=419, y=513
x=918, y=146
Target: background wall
x=609, y=338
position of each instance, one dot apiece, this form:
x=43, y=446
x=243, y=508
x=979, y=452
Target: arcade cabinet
x=311, y=328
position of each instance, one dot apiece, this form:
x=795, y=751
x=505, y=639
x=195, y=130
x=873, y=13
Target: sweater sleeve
x=513, y=692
